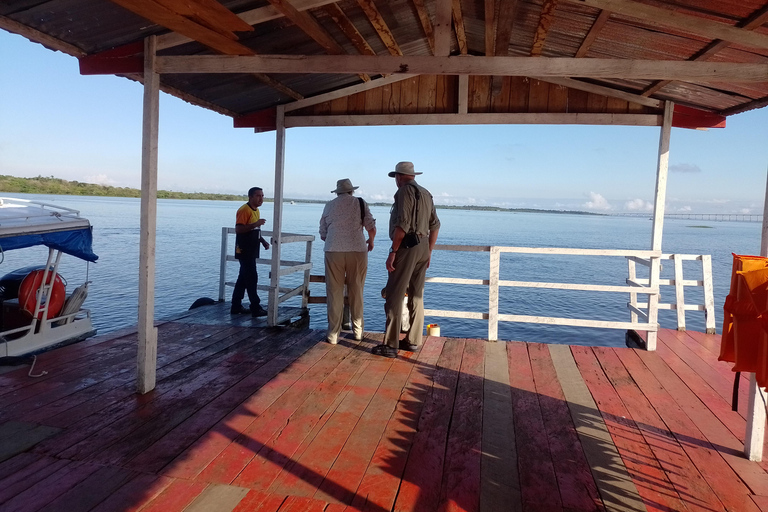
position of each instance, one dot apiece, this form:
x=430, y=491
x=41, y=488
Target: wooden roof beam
x=490, y=27
x=505, y=20
x=594, y=31
x=443, y=27
x=161, y=15
x=677, y=20
x=460, y=65
x=380, y=26
x=348, y=28
x=309, y=26
x=757, y=19
x=545, y=21
x=426, y=23
x=458, y=24
x=208, y=13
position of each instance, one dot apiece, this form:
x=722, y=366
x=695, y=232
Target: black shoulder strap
x=362, y=210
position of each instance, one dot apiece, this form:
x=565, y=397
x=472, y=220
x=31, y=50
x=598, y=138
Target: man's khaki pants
x=342, y=268
x=408, y=276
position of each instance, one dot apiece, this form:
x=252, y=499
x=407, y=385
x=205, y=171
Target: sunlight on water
x=188, y=248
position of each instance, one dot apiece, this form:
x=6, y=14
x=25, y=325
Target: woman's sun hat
x=344, y=186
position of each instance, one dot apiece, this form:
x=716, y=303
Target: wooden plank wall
x=428, y=94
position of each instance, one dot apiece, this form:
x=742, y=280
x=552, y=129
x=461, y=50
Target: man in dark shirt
x=248, y=241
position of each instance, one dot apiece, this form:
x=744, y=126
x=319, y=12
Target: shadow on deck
x=251, y=418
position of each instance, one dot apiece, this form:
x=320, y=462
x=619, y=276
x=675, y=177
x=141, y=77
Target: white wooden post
x=658, y=220
x=223, y=263
x=753, y=444
x=463, y=94
x=709, y=294
x=493, y=295
x=305, y=292
x=277, y=233
x=679, y=292
x=632, y=271
x=147, y=332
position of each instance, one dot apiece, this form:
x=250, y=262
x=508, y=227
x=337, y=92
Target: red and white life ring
x=30, y=287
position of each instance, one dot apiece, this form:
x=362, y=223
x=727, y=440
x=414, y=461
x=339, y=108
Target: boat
x=37, y=311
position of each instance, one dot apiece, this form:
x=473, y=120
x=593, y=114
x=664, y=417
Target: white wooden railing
x=640, y=309
x=633, y=286
x=287, y=267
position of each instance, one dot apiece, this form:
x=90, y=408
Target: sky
x=54, y=122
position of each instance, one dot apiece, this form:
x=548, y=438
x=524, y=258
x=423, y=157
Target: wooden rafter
x=443, y=27
x=757, y=19
x=380, y=26
x=309, y=25
x=458, y=24
x=545, y=21
x=490, y=27
x=208, y=13
x=165, y=17
x=677, y=20
x=426, y=23
x=501, y=66
x=506, y=17
x=597, y=26
x=603, y=91
x=349, y=29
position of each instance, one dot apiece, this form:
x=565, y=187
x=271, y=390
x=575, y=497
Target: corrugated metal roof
x=94, y=26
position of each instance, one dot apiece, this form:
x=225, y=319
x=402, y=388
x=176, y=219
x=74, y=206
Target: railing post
x=653, y=303
x=709, y=296
x=223, y=262
x=632, y=272
x=305, y=292
x=679, y=292
x=493, y=294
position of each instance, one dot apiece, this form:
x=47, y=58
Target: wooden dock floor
x=252, y=418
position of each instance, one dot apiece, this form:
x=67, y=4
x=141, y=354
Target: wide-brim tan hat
x=344, y=186
x=404, y=168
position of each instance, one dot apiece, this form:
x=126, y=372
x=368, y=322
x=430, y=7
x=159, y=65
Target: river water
x=188, y=251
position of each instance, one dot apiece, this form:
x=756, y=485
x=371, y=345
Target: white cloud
x=597, y=202
x=684, y=168
x=745, y=211
x=99, y=179
x=638, y=205
x=684, y=209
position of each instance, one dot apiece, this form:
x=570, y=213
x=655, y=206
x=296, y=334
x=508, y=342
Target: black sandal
x=385, y=351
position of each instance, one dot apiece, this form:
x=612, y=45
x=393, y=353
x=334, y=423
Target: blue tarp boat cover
x=76, y=242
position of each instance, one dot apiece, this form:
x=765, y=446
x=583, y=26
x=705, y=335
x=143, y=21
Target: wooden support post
x=658, y=220
x=463, y=94
x=223, y=263
x=274, y=283
x=755, y=435
x=307, y=259
x=709, y=294
x=679, y=292
x=493, y=295
x=147, y=332
x=632, y=272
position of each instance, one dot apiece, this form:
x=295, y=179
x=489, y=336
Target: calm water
x=188, y=248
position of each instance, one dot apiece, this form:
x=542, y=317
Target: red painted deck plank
x=407, y=376
x=461, y=473
x=578, y=490
x=379, y=484
x=313, y=368
x=422, y=479
x=94, y=432
x=173, y=443
x=135, y=494
x=712, y=427
x=638, y=454
x=305, y=472
x=220, y=439
x=264, y=468
x=726, y=484
x=29, y=475
x=537, y=473
x=40, y=495
x=176, y=496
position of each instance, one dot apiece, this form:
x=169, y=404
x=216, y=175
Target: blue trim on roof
x=76, y=242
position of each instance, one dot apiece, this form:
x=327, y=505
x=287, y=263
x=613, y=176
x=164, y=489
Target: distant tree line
x=56, y=186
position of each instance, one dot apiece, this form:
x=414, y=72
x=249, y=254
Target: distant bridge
x=735, y=217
